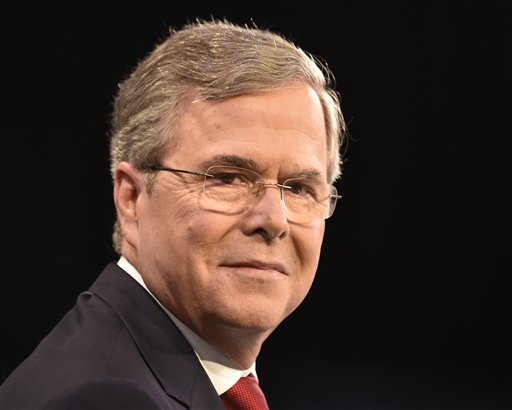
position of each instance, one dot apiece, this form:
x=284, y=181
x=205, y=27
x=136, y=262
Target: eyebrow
x=247, y=163
x=306, y=174
x=232, y=161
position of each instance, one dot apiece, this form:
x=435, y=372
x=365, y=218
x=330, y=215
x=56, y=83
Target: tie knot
x=246, y=394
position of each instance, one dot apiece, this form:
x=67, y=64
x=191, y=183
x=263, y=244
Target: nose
x=267, y=217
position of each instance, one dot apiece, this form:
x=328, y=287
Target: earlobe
x=127, y=190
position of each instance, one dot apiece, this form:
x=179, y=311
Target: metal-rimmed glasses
x=229, y=189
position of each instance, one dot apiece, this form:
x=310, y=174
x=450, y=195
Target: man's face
x=247, y=270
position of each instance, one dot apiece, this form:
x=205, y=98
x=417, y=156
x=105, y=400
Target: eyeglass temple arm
x=158, y=168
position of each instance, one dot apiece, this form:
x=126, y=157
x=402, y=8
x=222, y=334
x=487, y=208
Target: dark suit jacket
x=115, y=349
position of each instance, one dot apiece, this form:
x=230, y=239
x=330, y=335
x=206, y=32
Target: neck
x=241, y=346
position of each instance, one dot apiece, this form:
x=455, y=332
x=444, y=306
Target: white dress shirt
x=222, y=372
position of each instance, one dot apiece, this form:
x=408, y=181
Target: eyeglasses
x=229, y=190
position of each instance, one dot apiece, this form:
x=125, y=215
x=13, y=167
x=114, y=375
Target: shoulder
x=108, y=393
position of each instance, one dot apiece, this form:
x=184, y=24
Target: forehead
x=283, y=130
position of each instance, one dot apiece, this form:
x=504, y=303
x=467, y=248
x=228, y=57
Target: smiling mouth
x=258, y=267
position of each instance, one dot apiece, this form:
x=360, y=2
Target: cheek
x=191, y=233
x=169, y=207
x=309, y=244
x=303, y=281
x=207, y=232
x=163, y=222
x=309, y=253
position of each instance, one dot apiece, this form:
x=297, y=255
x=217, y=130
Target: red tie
x=245, y=395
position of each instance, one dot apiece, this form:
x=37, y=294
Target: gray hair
x=212, y=60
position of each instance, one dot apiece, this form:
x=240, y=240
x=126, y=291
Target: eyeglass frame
x=332, y=197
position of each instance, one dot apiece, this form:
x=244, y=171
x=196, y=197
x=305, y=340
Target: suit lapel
x=163, y=347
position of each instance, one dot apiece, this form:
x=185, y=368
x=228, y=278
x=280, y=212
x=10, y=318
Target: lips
x=258, y=265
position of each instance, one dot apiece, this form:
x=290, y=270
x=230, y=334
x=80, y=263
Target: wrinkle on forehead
x=282, y=131
x=303, y=111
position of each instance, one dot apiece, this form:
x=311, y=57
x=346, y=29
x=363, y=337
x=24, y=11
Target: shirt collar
x=222, y=372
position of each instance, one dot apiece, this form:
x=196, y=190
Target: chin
x=255, y=318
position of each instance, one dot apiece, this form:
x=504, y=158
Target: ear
x=127, y=190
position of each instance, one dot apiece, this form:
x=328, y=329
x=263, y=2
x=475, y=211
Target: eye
x=301, y=188
x=232, y=177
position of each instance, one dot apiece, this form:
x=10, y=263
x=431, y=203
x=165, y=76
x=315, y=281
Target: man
x=225, y=143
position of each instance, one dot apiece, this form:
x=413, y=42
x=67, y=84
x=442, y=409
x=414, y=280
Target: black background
x=411, y=305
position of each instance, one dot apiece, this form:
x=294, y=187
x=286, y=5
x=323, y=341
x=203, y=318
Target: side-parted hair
x=211, y=60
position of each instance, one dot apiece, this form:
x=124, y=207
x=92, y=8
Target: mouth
x=257, y=266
